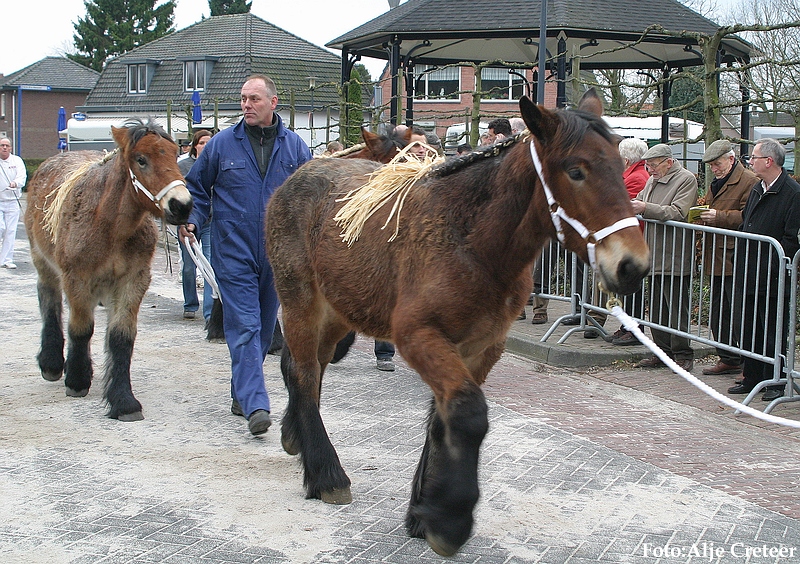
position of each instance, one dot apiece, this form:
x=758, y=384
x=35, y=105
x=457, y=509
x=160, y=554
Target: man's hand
x=187, y=230
x=709, y=217
x=638, y=206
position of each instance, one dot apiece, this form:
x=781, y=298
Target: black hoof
x=289, y=447
x=52, y=376
x=135, y=416
x=76, y=393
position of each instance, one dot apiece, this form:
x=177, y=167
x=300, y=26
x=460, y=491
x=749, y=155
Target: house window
x=500, y=84
x=137, y=79
x=433, y=83
x=3, y=105
x=194, y=75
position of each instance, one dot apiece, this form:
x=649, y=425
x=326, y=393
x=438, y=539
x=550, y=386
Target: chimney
x=393, y=4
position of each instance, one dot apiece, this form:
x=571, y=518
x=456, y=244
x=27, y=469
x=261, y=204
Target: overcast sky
x=35, y=29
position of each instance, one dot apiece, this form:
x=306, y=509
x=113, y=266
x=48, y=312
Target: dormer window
x=140, y=73
x=197, y=72
x=137, y=79
x=194, y=74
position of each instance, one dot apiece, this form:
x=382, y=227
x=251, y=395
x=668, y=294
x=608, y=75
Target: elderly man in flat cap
x=668, y=195
x=726, y=198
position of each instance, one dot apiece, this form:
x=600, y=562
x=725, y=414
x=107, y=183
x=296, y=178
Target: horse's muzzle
x=177, y=205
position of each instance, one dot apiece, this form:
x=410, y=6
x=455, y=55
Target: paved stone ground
x=588, y=465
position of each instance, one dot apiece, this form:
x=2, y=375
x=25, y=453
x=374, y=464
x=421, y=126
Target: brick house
x=30, y=99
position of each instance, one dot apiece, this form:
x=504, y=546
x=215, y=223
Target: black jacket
x=776, y=214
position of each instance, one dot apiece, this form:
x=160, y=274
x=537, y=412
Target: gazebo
x=599, y=34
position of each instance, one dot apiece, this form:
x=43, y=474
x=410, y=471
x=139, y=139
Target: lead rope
x=632, y=325
x=203, y=266
x=557, y=213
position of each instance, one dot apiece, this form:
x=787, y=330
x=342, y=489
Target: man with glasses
x=668, y=195
x=726, y=198
x=12, y=179
x=773, y=208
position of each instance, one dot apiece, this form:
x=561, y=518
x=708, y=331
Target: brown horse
x=445, y=290
x=92, y=233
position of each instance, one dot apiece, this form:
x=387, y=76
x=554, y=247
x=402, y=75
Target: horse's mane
x=573, y=127
x=138, y=129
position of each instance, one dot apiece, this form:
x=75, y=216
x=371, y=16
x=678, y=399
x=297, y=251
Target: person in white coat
x=12, y=179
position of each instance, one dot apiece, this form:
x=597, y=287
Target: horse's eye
x=576, y=174
x=141, y=160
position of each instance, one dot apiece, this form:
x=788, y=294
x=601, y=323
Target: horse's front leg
x=302, y=428
x=445, y=488
x=120, y=337
x=78, y=368
x=51, y=355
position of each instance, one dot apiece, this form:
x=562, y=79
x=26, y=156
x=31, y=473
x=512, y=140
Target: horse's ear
x=370, y=140
x=591, y=103
x=542, y=123
x=120, y=135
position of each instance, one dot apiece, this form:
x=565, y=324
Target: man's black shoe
x=740, y=389
x=772, y=394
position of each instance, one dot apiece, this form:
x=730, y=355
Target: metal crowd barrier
x=759, y=269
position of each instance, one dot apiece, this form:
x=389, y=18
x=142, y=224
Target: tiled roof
x=240, y=45
x=59, y=73
x=496, y=15
x=473, y=30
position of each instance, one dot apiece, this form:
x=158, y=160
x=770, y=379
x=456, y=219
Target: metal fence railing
x=706, y=269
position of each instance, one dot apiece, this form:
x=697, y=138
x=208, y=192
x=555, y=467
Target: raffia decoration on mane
x=52, y=209
x=394, y=181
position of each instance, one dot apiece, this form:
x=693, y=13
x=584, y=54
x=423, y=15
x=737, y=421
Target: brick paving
x=601, y=464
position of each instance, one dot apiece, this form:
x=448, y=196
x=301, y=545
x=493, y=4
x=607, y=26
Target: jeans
x=189, y=275
x=384, y=350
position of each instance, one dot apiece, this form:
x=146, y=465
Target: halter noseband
x=557, y=213
x=158, y=197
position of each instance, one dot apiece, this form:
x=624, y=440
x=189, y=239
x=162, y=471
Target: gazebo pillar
x=394, y=69
x=561, y=71
x=665, y=90
x=744, y=148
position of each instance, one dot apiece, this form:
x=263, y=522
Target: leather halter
x=557, y=213
x=158, y=197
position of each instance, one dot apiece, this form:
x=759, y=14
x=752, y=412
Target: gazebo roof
x=450, y=31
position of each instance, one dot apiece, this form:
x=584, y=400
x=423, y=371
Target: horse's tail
x=52, y=209
x=343, y=347
x=214, y=326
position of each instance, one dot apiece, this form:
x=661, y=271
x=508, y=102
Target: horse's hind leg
x=302, y=429
x=51, y=355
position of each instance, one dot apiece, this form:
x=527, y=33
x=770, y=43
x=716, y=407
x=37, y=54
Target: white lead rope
x=633, y=326
x=203, y=266
x=557, y=213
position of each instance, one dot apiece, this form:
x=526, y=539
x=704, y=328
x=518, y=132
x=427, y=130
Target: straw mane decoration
x=392, y=181
x=52, y=208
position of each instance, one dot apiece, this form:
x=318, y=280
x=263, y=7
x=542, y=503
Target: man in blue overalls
x=245, y=164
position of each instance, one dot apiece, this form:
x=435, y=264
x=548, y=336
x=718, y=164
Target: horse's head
x=579, y=166
x=381, y=148
x=150, y=156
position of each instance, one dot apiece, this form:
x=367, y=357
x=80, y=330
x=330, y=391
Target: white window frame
x=511, y=80
x=196, y=70
x=140, y=78
x=423, y=74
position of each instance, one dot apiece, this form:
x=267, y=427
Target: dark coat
x=776, y=214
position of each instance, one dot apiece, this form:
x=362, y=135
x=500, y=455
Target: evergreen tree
x=227, y=7
x=113, y=27
x=354, y=114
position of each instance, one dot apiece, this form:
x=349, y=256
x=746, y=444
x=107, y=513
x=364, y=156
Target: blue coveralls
x=244, y=275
